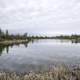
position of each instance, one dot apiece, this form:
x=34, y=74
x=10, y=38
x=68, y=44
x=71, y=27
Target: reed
x=60, y=72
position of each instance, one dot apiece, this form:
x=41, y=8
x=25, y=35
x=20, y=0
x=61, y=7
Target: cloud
x=39, y=14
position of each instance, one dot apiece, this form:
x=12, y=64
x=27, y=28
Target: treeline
x=6, y=36
x=73, y=36
x=41, y=37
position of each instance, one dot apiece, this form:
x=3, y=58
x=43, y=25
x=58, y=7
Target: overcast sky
x=40, y=16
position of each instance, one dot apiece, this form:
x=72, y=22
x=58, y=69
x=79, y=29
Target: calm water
x=38, y=55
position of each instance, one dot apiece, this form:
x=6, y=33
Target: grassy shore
x=59, y=72
x=9, y=42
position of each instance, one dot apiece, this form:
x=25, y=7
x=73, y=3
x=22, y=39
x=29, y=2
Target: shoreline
x=19, y=41
x=56, y=72
x=10, y=42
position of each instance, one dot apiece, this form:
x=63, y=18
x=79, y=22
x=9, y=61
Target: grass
x=59, y=72
x=9, y=42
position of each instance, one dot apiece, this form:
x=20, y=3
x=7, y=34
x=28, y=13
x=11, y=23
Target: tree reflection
x=7, y=47
x=1, y=49
x=4, y=48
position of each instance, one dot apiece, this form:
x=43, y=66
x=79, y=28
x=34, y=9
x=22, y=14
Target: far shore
x=20, y=41
x=9, y=42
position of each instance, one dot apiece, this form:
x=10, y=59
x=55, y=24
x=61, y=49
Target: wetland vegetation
x=57, y=72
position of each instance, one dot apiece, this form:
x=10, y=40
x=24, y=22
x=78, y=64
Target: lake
x=38, y=55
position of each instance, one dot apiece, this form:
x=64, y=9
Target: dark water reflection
x=38, y=55
x=6, y=47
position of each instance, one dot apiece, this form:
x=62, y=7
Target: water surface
x=38, y=55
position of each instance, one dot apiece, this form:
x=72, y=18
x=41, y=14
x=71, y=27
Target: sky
x=48, y=17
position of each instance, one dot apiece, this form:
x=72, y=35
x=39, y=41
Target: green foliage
x=6, y=36
x=73, y=36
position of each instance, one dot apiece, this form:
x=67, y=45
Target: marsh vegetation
x=57, y=72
